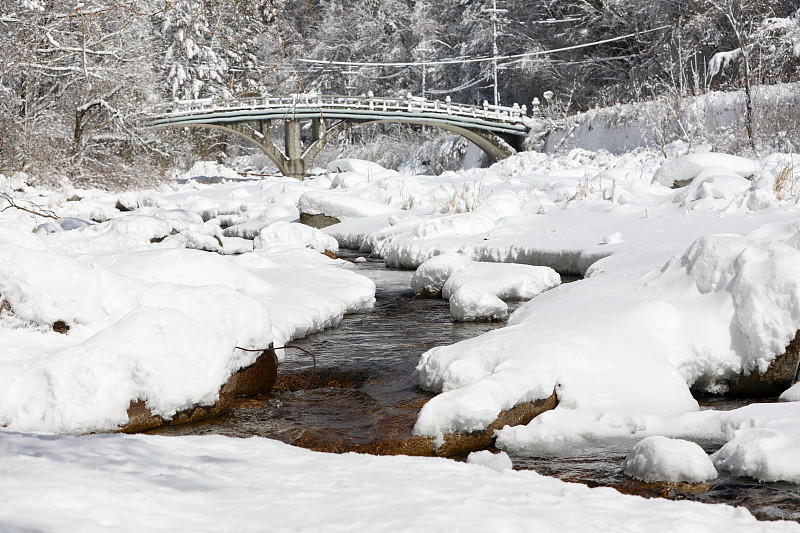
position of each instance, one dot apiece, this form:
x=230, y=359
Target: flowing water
x=360, y=397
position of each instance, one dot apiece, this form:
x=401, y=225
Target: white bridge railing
x=300, y=102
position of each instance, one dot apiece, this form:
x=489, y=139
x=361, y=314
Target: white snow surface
x=669, y=460
x=214, y=483
x=700, y=286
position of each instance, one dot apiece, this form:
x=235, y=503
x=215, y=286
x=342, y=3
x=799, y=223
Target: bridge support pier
x=318, y=129
x=295, y=166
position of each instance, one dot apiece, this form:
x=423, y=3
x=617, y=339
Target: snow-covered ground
x=146, y=483
x=686, y=287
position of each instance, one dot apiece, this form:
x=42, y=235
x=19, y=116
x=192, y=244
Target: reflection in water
x=362, y=397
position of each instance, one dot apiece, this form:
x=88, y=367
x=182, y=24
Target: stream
x=361, y=398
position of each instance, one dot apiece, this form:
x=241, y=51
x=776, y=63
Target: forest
x=77, y=79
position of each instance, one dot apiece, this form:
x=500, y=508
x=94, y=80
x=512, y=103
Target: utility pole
x=422, y=55
x=494, y=14
x=423, y=50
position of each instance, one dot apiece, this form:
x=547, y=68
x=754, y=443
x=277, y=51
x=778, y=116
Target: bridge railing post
x=448, y=103
x=371, y=97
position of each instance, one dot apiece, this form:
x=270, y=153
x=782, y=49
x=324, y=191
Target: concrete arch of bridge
x=275, y=155
x=496, y=147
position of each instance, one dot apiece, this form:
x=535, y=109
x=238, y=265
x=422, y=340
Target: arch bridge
x=499, y=131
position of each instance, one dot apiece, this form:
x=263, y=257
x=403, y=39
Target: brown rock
x=257, y=378
x=672, y=491
x=781, y=374
x=318, y=221
x=59, y=326
x=254, y=379
x=461, y=443
x=140, y=418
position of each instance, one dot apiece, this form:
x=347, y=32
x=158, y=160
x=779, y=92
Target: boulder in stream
x=781, y=374
x=257, y=378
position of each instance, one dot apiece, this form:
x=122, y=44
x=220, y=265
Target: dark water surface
x=361, y=392
x=361, y=397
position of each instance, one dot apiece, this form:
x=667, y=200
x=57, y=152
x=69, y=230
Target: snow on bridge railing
x=411, y=104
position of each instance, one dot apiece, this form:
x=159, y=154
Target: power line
x=481, y=59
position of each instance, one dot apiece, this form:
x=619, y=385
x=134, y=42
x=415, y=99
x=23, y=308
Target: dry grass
x=584, y=188
x=786, y=182
x=460, y=199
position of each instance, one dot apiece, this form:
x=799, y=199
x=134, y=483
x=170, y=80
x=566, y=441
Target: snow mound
x=359, y=166
x=142, y=229
x=342, y=207
x=210, y=169
x=62, y=224
x=766, y=454
x=792, y=394
x=433, y=273
x=295, y=234
x=714, y=188
x=748, y=289
x=496, y=461
x=470, y=303
x=179, y=219
x=506, y=281
x=689, y=166
x=669, y=460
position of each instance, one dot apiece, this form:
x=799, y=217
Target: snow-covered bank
x=135, y=483
x=714, y=119
x=148, y=320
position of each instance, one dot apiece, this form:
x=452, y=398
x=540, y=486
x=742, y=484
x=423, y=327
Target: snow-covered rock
x=669, y=460
x=281, y=233
x=496, y=461
x=689, y=166
x=431, y=275
x=713, y=188
x=342, y=206
x=766, y=454
x=470, y=303
x=753, y=287
x=62, y=224
x=505, y=281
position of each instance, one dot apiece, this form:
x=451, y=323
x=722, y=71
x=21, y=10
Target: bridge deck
x=499, y=119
